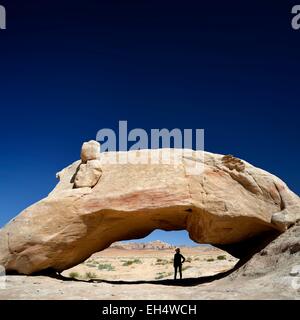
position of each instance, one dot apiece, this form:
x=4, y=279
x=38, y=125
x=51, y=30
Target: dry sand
x=135, y=265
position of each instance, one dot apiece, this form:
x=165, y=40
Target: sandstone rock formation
x=88, y=174
x=278, y=259
x=153, y=245
x=90, y=151
x=231, y=201
x=273, y=273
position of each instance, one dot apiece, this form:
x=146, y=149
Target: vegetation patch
x=131, y=262
x=106, y=266
x=74, y=275
x=90, y=275
x=161, y=275
x=161, y=262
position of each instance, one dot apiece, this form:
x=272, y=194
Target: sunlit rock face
x=94, y=205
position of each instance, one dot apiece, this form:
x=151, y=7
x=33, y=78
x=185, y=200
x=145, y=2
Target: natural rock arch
x=230, y=204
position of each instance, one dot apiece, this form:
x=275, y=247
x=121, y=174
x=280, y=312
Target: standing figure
x=178, y=261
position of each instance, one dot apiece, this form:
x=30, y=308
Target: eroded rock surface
x=273, y=273
x=90, y=151
x=88, y=174
x=229, y=202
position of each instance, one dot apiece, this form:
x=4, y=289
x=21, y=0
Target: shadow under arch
x=164, y=237
x=251, y=246
x=186, y=282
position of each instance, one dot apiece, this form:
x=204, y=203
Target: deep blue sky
x=70, y=68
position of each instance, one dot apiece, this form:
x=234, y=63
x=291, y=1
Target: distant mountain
x=153, y=245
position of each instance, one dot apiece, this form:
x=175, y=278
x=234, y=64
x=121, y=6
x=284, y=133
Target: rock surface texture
x=95, y=205
x=88, y=174
x=90, y=151
x=273, y=273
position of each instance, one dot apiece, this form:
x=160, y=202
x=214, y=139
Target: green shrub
x=137, y=261
x=221, y=257
x=161, y=275
x=130, y=262
x=106, y=266
x=90, y=275
x=189, y=259
x=210, y=260
x=74, y=275
x=161, y=262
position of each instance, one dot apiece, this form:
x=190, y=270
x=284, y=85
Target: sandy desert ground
x=115, y=274
x=149, y=264
x=124, y=274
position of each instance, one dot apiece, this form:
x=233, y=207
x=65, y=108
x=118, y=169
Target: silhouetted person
x=178, y=261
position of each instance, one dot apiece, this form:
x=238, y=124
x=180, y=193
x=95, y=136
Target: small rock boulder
x=88, y=174
x=90, y=151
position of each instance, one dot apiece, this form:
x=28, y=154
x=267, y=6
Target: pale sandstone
x=90, y=151
x=229, y=202
x=88, y=174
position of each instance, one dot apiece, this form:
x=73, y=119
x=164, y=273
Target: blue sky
x=69, y=69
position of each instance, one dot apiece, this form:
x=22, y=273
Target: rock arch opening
x=231, y=204
x=150, y=259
